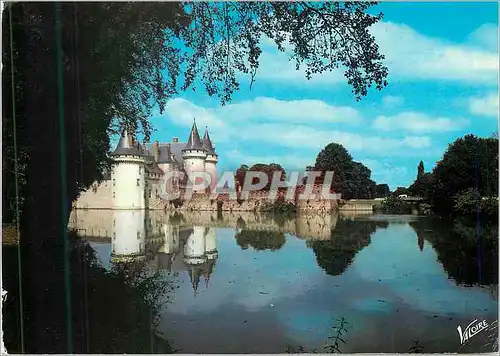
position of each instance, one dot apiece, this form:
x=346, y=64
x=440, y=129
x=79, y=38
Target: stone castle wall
x=98, y=196
x=255, y=201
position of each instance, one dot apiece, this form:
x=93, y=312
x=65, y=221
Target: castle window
x=113, y=182
x=138, y=182
x=113, y=194
x=138, y=235
x=150, y=193
x=140, y=169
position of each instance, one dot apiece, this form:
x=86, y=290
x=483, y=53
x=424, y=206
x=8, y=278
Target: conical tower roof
x=125, y=145
x=194, y=142
x=207, y=143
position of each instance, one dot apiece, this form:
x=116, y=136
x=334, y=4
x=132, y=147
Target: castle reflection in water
x=184, y=242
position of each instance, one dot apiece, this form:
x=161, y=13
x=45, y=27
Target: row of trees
x=464, y=181
x=352, y=179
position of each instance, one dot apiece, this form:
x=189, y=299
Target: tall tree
x=469, y=162
x=382, y=190
x=351, y=179
x=420, y=170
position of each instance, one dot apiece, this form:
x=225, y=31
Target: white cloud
x=315, y=139
x=287, y=161
x=485, y=106
x=284, y=127
x=485, y=36
x=182, y=112
x=417, y=122
x=391, y=101
x=409, y=56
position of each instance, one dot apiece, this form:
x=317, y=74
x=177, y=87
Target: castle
x=141, y=173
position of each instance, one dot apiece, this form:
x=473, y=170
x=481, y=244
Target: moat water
x=246, y=283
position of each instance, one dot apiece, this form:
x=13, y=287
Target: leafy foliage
x=279, y=206
x=423, y=186
x=334, y=340
x=394, y=205
x=400, y=191
x=468, y=202
x=382, y=190
x=469, y=162
x=351, y=179
x=420, y=170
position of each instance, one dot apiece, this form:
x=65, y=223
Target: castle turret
x=194, y=154
x=211, y=160
x=128, y=174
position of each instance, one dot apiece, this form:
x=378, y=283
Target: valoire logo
x=471, y=330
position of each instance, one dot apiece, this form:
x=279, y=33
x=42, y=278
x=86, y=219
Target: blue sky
x=443, y=83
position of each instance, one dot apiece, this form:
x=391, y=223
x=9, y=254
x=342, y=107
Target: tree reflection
x=467, y=250
x=112, y=312
x=348, y=238
x=260, y=240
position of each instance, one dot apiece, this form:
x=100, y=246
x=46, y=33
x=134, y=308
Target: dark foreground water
x=246, y=283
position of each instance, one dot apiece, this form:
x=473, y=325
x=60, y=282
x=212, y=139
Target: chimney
x=156, y=151
x=175, y=140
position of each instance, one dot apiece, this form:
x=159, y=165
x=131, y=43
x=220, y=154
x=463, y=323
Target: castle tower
x=211, y=160
x=129, y=235
x=128, y=174
x=194, y=154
